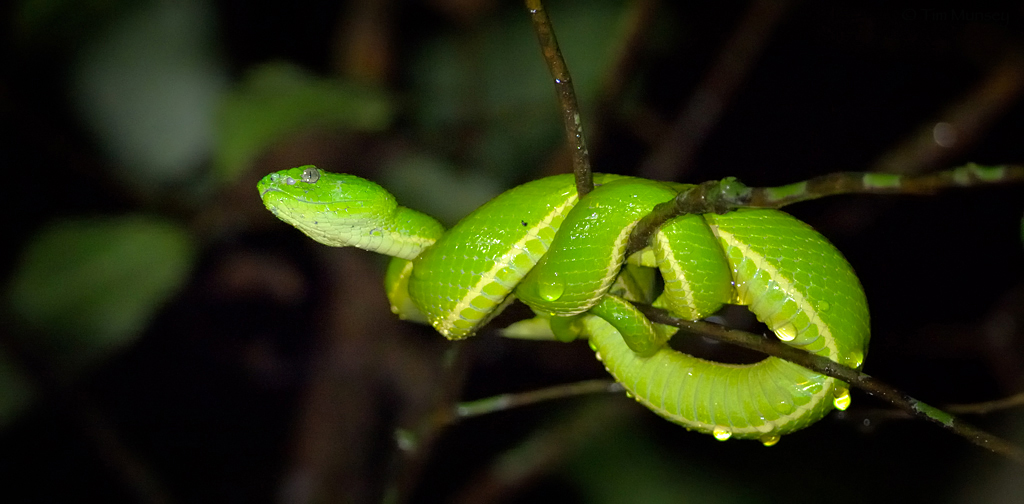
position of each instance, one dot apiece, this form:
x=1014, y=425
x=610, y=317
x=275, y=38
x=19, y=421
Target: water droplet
x=770, y=439
x=783, y=406
x=855, y=360
x=310, y=175
x=787, y=332
x=737, y=299
x=823, y=306
x=721, y=433
x=550, y=288
x=599, y=358
x=629, y=394
x=842, y=398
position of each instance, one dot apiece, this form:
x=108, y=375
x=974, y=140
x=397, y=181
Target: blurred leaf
x=624, y=465
x=148, y=87
x=277, y=99
x=92, y=285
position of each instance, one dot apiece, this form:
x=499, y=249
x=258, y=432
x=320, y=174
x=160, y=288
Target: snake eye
x=310, y=175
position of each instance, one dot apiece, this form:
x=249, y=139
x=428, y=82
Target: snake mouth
x=274, y=197
x=298, y=199
x=268, y=190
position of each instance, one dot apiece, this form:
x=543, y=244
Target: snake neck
x=404, y=235
x=397, y=232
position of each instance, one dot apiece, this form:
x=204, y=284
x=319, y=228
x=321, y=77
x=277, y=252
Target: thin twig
x=969, y=175
x=980, y=408
x=699, y=199
x=855, y=378
x=729, y=194
x=503, y=402
x=566, y=97
x=414, y=444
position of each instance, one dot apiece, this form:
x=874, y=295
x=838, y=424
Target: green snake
x=565, y=259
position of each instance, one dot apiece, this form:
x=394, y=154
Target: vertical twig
x=566, y=97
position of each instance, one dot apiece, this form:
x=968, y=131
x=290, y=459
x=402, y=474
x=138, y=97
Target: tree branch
x=851, y=376
x=503, y=402
x=566, y=97
x=729, y=194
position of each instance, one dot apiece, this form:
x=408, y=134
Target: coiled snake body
x=563, y=257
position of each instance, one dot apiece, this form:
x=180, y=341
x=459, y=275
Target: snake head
x=332, y=208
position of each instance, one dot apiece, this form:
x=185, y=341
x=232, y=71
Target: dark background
x=270, y=368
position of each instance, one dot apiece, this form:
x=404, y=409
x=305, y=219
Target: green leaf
x=148, y=87
x=278, y=99
x=91, y=285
